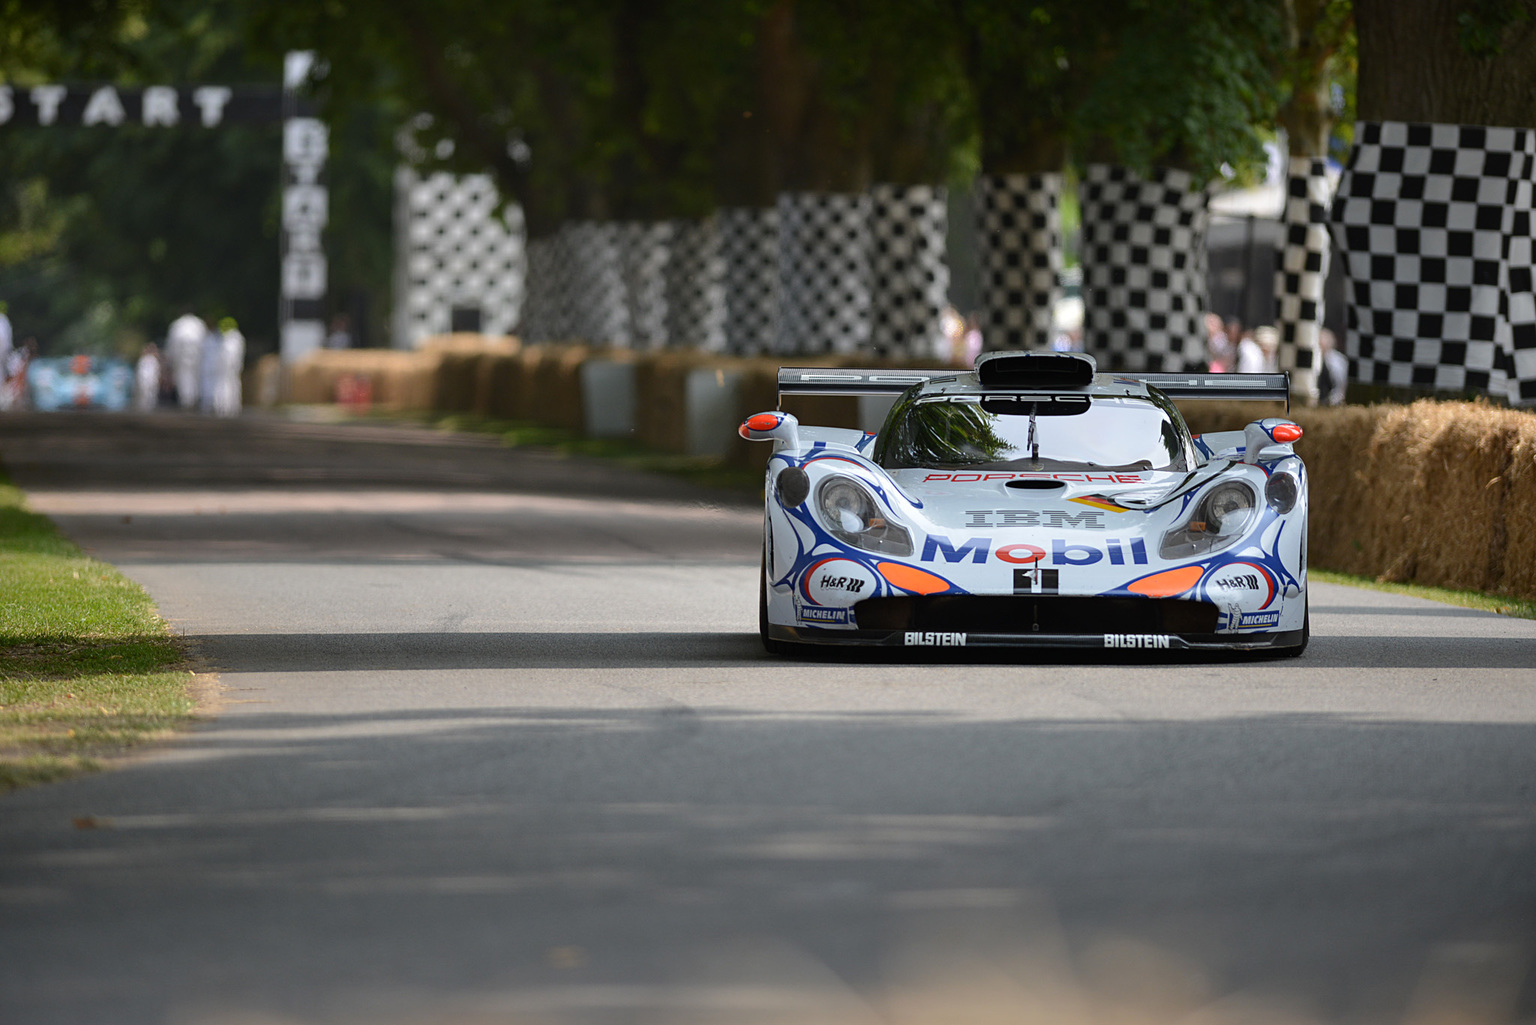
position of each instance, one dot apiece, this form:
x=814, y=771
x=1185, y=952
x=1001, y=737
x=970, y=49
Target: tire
x=770, y=645
x=1306, y=633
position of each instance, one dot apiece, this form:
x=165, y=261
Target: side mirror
x=780, y=428
x=1269, y=439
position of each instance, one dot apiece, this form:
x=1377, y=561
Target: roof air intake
x=1035, y=369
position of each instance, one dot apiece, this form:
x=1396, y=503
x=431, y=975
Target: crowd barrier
x=1440, y=493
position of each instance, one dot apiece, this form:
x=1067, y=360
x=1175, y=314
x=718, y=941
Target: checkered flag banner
x=1143, y=252
x=536, y=322
x=1301, y=268
x=1018, y=217
x=595, y=304
x=645, y=250
x=695, y=287
x=908, y=277
x=823, y=260
x=1433, y=225
x=749, y=246
x=453, y=249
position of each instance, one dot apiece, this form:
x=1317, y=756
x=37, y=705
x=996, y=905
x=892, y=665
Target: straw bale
x=465, y=342
x=661, y=387
x=1519, y=574
x=558, y=381
x=1459, y=528
x=453, y=383
x=496, y=384
x=1335, y=448
x=525, y=395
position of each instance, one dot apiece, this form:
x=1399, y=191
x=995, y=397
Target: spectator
x=1333, y=375
x=184, y=347
x=227, y=399
x=1218, y=347
x=147, y=378
x=1269, y=345
x=210, y=367
x=5, y=336
x=340, y=337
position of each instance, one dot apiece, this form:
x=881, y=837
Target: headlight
x=1281, y=492
x=1219, y=519
x=851, y=515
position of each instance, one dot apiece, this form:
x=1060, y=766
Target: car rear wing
x=829, y=381
x=1261, y=387
x=836, y=381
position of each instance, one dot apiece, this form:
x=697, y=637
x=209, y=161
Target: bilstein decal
x=1137, y=641
x=917, y=638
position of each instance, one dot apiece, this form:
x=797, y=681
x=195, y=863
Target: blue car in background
x=80, y=382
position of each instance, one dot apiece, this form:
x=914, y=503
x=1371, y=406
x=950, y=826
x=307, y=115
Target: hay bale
x=557, y=380
x=661, y=398
x=453, y=381
x=1519, y=572
x=496, y=384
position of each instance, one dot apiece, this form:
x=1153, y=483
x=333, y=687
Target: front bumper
x=1096, y=641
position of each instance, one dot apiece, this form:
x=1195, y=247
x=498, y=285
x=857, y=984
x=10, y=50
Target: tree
x=1448, y=61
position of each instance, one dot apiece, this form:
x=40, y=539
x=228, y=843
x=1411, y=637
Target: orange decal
x=1098, y=503
x=1168, y=583
x=762, y=422
x=1286, y=433
x=910, y=578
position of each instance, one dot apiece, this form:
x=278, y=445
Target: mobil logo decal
x=837, y=583
x=1247, y=585
x=1061, y=553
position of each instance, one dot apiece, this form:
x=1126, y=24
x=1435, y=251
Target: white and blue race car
x=1033, y=502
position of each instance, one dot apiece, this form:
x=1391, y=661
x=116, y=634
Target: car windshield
x=1032, y=433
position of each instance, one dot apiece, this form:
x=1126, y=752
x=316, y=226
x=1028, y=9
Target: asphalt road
x=497, y=744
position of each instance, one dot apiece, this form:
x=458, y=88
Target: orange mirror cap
x=1286, y=433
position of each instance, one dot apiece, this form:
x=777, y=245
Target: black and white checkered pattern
x=823, y=260
x=454, y=249
x=749, y=248
x=695, y=287
x=1516, y=356
x=1019, y=245
x=1143, y=253
x=909, y=279
x=537, y=321
x=596, y=309
x=645, y=249
x=1300, y=271
x=1428, y=219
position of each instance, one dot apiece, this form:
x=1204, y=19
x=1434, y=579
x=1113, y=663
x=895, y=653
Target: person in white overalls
x=184, y=347
x=227, y=397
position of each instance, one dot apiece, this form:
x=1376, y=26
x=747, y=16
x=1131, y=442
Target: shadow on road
x=608, y=650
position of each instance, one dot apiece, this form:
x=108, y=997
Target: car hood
x=956, y=498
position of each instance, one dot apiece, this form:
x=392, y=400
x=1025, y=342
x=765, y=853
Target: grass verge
x=1503, y=604
x=88, y=669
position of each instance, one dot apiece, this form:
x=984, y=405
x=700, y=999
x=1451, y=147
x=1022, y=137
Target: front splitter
x=1096, y=641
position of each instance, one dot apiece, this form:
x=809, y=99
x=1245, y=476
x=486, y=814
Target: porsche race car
x=1033, y=502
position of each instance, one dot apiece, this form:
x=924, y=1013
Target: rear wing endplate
x=829, y=381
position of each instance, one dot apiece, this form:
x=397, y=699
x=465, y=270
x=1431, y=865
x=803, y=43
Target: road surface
x=497, y=743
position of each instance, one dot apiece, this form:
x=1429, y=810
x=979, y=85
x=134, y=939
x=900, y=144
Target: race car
x=80, y=382
x=1033, y=502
